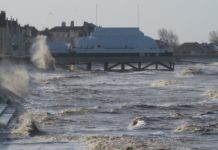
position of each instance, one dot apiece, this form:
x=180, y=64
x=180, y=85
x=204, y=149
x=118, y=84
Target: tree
x=213, y=37
x=168, y=37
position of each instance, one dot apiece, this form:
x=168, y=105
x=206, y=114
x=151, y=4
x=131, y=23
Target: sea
x=180, y=105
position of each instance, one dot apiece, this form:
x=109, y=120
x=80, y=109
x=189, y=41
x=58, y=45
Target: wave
x=190, y=128
x=162, y=83
x=74, y=111
x=127, y=143
x=26, y=126
x=39, y=77
x=190, y=72
x=193, y=128
x=211, y=93
x=137, y=123
x=175, y=115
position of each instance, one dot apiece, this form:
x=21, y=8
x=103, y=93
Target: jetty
x=120, y=63
x=117, y=49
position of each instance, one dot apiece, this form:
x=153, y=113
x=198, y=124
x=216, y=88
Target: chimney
x=63, y=24
x=72, y=23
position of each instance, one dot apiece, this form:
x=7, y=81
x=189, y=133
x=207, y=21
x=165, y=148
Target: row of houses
x=196, y=49
x=16, y=40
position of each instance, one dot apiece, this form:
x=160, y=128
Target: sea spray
x=15, y=78
x=40, y=54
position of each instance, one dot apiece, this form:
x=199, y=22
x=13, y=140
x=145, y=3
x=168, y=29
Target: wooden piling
x=89, y=66
x=106, y=66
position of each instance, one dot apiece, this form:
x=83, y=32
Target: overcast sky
x=192, y=20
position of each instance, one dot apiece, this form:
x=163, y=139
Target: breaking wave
x=175, y=115
x=74, y=111
x=27, y=126
x=137, y=123
x=190, y=72
x=162, y=83
x=212, y=93
x=193, y=128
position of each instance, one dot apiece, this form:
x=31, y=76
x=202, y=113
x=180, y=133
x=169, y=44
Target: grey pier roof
x=125, y=39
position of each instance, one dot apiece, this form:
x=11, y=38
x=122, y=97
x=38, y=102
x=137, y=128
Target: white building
x=117, y=40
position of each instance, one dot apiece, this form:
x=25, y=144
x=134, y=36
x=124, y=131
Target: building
x=118, y=41
x=3, y=33
x=58, y=48
x=29, y=34
x=66, y=35
x=194, y=49
x=15, y=40
x=213, y=46
x=15, y=45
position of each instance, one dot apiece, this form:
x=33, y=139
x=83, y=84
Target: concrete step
x=6, y=116
x=2, y=108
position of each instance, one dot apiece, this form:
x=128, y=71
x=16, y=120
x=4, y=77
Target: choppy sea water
x=175, y=105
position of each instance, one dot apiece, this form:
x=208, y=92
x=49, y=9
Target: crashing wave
x=190, y=72
x=191, y=128
x=77, y=111
x=175, y=115
x=162, y=83
x=137, y=123
x=27, y=126
x=212, y=93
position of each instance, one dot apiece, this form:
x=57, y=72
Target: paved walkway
x=6, y=114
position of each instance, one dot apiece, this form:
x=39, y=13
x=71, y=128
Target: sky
x=191, y=20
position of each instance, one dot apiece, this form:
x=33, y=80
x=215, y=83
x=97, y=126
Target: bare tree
x=213, y=37
x=168, y=37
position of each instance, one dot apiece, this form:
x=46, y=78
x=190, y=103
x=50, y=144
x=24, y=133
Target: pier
x=120, y=63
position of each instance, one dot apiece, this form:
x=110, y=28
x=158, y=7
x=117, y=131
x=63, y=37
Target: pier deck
x=120, y=63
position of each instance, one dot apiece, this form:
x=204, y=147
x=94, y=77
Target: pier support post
x=122, y=67
x=173, y=66
x=139, y=66
x=89, y=66
x=156, y=66
x=106, y=66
